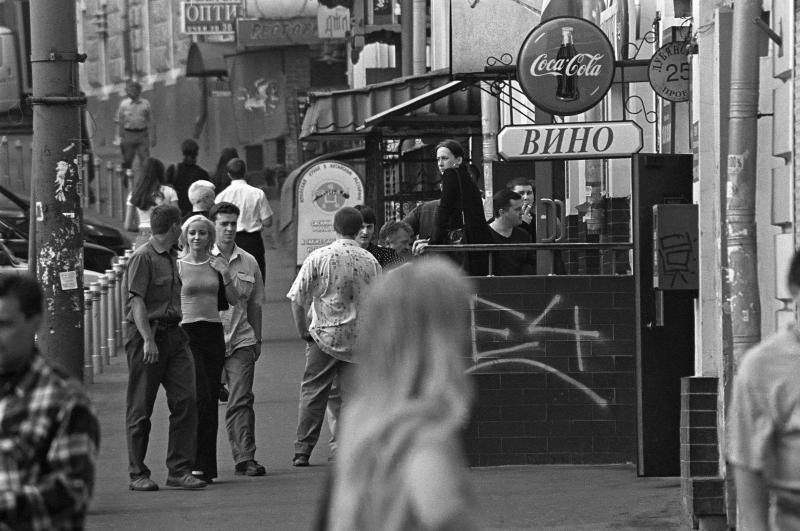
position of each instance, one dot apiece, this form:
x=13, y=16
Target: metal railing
x=103, y=318
x=109, y=187
x=492, y=248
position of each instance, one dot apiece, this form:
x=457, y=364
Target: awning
x=411, y=103
x=207, y=59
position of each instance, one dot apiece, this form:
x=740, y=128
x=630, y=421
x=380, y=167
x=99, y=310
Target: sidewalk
x=518, y=497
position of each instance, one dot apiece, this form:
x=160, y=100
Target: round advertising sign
x=669, y=72
x=565, y=66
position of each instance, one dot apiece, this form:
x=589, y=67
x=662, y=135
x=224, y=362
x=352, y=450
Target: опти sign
x=565, y=66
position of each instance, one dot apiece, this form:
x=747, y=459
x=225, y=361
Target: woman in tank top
x=149, y=192
x=201, y=275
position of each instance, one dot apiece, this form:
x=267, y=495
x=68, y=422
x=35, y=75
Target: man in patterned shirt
x=49, y=434
x=333, y=282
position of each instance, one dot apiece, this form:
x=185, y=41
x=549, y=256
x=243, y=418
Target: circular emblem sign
x=565, y=66
x=669, y=72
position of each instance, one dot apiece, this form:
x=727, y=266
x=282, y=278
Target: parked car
x=10, y=262
x=95, y=257
x=15, y=211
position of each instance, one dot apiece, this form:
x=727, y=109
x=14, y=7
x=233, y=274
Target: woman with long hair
x=149, y=192
x=460, y=217
x=221, y=179
x=203, y=277
x=400, y=464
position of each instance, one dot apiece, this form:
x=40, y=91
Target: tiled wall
x=554, y=366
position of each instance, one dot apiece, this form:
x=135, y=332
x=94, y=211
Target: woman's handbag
x=222, y=300
x=459, y=236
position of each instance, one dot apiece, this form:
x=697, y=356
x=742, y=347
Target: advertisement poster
x=323, y=189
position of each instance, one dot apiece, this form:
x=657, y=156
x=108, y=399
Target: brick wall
x=554, y=366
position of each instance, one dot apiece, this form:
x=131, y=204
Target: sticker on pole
x=69, y=280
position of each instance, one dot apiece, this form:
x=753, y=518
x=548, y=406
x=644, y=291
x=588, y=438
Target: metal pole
x=7, y=158
x=56, y=126
x=104, y=320
x=119, y=271
x=110, y=188
x=490, y=125
x=98, y=177
x=419, y=17
x=97, y=339
x=406, y=39
x=111, y=317
x=88, y=376
x=740, y=291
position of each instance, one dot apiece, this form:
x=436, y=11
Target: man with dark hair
x=181, y=176
x=507, y=208
x=524, y=187
x=334, y=281
x=386, y=256
x=158, y=354
x=255, y=214
x=763, y=447
x=134, y=122
x=242, y=324
x=49, y=433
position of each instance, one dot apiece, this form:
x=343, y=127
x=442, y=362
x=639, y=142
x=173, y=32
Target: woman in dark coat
x=459, y=191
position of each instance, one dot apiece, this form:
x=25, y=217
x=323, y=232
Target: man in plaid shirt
x=49, y=434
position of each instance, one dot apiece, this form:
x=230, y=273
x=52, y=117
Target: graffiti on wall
x=529, y=332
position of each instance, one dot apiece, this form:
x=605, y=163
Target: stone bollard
x=97, y=333
x=111, y=309
x=88, y=371
x=104, y=319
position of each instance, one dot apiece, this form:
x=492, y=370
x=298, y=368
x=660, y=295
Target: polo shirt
x=252, y=202
x=153, y=275
x=134, y=115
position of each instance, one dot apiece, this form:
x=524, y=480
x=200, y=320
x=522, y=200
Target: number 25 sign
x=669, y=72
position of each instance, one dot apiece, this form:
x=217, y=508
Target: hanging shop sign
x=565, y=65
x=333, y=23
x=590, y=140
x=261, y=33
x=669, y=72
x=323, y=189
x=209, y=18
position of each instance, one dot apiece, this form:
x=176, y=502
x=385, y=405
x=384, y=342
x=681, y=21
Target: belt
x=135, y=130
x=164, y=323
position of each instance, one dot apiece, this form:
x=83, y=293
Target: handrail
x=486, y=247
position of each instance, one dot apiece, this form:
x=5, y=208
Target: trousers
x=320, y=370
x=240, y=418
x=175, y=371
x=207, y=343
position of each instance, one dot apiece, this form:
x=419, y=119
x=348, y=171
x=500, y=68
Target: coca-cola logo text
x=543, y=66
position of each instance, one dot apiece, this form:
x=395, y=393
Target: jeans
x=207, y=343
x=320, y=371
x=175, y=371
x=240, y=418
x=134, y=143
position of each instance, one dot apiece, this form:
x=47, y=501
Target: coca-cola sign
x=565, y=65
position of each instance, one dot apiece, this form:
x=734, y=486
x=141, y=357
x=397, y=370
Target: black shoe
x=185, y=481
x=223, y=393
x=202, y=476
x=300, y=460
x=251, y=467
x=142, y=484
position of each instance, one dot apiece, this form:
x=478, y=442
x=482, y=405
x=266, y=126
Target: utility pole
x=57, y=210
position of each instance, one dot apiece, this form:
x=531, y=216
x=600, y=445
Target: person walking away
x=763, y=447
x=401, y=463
x=255, y=212
x=460, y=208
x=50, y=434
x=201, y=195
x=203, y=279
x=220, y=178
x=149, y=192
x=181, y=176
x=136, y=129
x=333, y=282
x=242, y=325
x=158, y=354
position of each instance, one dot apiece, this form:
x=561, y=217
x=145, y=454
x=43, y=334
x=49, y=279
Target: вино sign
x=570, y=141
x=565, y=65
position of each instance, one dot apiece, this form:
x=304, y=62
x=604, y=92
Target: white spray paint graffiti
x=495, y=357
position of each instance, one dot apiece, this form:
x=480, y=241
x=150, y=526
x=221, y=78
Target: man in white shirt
x=333, y=281
x=136, y=130
x=256, y=214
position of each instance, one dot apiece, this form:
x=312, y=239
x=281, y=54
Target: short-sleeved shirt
x=168, y=195
x=764, y=415
x=333, y=282
x=134, y=115
x=252, y=202
x=513, y=262
x=153, y=275
x=238, y=332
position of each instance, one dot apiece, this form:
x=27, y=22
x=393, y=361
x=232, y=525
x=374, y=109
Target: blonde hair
x=184, y=239
x=199, y=190
x=410, y=389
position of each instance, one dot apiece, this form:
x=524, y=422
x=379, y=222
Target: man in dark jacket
x=181, y=176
